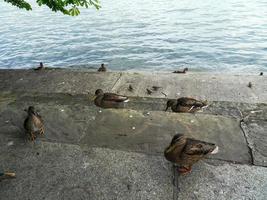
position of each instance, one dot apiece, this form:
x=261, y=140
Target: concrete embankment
x=93, y=153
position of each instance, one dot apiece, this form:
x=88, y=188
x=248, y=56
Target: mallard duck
x=181, y=71
x=102, y=68
x=40, y=67
x=33, y=123
x=185, y=152
x=109, y=100
x=185, y=104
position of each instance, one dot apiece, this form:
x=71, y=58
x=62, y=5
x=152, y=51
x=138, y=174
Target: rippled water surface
x=207, y=35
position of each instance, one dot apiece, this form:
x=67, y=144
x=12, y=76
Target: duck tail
x=200, y=103
x=216, y=150
x=205, y=103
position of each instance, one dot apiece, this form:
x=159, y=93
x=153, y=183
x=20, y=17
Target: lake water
x=204, y=35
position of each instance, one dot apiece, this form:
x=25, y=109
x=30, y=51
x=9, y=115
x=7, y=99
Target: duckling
x=109, y=100
x=102, y=68
x=148, y=91
x=130, y=88
x=181, y=71
x=185, y=152
x=40, y=67
x=33, y=123
x=185, y=104
x=156, y=88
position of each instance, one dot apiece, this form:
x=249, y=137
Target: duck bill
x=93, y=98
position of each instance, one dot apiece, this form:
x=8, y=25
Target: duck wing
x=174, y=150
x=197, y=147
x=36, y=114
x=115, y=97
x=189, y=102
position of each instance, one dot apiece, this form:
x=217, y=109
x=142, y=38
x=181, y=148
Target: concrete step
x=126, y=129
x=253, y=116
x=208, y=86
x=225, y=108
x=63, y=171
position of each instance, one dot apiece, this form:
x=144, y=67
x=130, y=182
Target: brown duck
x=185, y=152
x=102, y=68
x=181, y=71
x=109, y=100
x=41, y=67
x=33, y=124
x=185, y=104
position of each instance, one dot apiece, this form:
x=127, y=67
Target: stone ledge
x=212, y=87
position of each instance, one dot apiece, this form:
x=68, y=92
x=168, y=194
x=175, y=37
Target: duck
x=148, y=91
x=102, y=68
x=7, y=174
x=181, y=71
x=41, y=66
x=185, y=152
x=156, y=88
x=130, y=88
x=33, y=123
x=109, y=100
x=185, y=104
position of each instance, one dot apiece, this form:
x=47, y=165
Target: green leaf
x=59, y=5
x=74, y=11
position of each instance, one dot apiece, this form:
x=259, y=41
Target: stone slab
x=211, y=87
x=56, y=81
x=125, y=129
x=221, y=180
x=231, y=109
x=256, y=133
x=151, y=132
x=60, y=171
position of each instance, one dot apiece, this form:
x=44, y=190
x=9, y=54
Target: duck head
x=170, y=103
x=30, y=110
x=177, y=144
x=99, y=92
x=177, y=138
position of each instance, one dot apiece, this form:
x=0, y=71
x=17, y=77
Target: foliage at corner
x=67, y=7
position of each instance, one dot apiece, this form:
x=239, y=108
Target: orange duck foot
x=184, y=170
